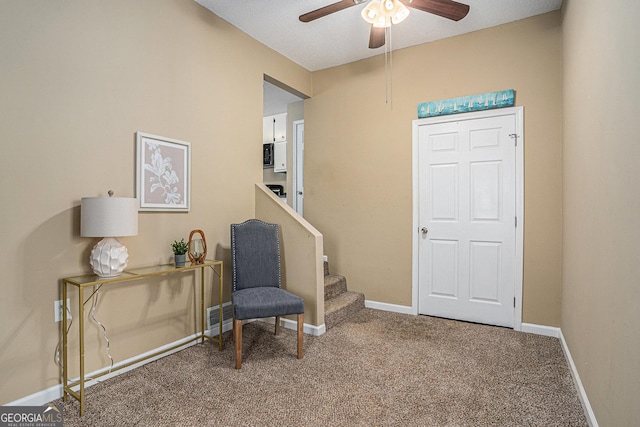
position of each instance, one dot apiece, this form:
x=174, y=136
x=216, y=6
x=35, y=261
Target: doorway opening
x=282, y=141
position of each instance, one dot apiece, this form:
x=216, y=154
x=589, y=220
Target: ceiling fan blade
x=327, y=10
x=446, y=8
x=376, y=37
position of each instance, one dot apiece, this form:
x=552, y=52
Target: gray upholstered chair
x=256, y=291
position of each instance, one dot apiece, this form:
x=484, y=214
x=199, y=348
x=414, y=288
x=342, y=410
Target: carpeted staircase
x=339, y=303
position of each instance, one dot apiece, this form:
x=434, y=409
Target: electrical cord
x=56, y=356
x=94, y=304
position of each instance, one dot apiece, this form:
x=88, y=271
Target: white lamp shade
x=108, y=217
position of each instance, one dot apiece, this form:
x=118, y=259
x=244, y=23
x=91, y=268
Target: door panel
x=484, y=138
x=444, y=192
x=444, y=142
x=484, y=265
x=486, y=191
x=466, y=178
x=444, y=268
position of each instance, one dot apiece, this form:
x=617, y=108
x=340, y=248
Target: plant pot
x=180, y=259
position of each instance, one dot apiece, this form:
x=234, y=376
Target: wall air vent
x=213, y=315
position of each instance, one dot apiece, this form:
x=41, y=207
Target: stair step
x=341, y=307
x=334, y=285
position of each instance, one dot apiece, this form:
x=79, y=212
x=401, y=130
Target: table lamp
x=108, y=217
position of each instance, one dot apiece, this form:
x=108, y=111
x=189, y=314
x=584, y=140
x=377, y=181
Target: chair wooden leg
x=233, y=328
x=277, y=325
x=237, y=336
x=300, y=335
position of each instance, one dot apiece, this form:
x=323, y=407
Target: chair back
x=255, y=255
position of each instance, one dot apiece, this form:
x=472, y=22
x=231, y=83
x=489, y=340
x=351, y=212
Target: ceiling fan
x=446, y=8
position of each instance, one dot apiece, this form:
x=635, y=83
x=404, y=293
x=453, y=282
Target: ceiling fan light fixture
x=371, y=13
x=383, y=13
x=400, y=13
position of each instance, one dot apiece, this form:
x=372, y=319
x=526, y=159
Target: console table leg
x=202, y=324
x=220, y=304
x=65, y=371
x=81, y=337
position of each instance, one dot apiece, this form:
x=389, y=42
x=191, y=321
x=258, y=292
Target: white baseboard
x=547, y=331
x=586, y=406
x=289, y=324
x=402, y=309
x=39, y=398
x=292, y=324
x=55, y=392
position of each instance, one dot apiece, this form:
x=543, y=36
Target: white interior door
x=298, y=166
x=467, y=217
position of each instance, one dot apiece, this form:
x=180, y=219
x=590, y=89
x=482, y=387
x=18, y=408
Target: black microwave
x=267, y=155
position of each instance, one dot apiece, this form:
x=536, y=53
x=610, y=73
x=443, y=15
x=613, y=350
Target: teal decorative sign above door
x=465, y=104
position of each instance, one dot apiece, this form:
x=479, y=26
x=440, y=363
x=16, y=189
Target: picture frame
x=466, y=104
x=163, y=173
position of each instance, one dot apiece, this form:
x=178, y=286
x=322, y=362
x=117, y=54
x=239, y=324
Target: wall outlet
x=57, y=310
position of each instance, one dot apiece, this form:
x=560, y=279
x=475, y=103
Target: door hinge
x=516, y=222
x=514, y=302
x=514, y=136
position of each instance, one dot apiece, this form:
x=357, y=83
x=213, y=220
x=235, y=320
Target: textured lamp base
x=109, y=257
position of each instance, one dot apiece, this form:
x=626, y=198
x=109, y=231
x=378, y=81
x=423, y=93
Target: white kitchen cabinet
x=274, y=128
x=280, y=156
x=280, y=127
x=267, y=130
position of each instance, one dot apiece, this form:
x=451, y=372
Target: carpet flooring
x=374, y=369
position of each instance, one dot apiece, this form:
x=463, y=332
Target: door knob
x=424, y=230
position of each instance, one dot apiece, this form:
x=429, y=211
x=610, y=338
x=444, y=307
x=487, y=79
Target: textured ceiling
x=343, y=37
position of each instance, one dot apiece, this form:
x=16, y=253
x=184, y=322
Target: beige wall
x=78, y=79
x=601, y=297
x=358, y=178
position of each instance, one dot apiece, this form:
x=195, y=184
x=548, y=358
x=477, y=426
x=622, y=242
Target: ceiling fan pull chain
x=388, y=68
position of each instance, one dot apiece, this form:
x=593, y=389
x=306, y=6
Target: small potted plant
x=180, y=250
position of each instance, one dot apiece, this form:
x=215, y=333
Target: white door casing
x=467, y=247
x=298, y=166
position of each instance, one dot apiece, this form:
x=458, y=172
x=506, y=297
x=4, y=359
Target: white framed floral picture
x=163, y=173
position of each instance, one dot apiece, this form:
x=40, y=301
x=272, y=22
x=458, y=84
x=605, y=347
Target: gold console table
x=82, y=282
